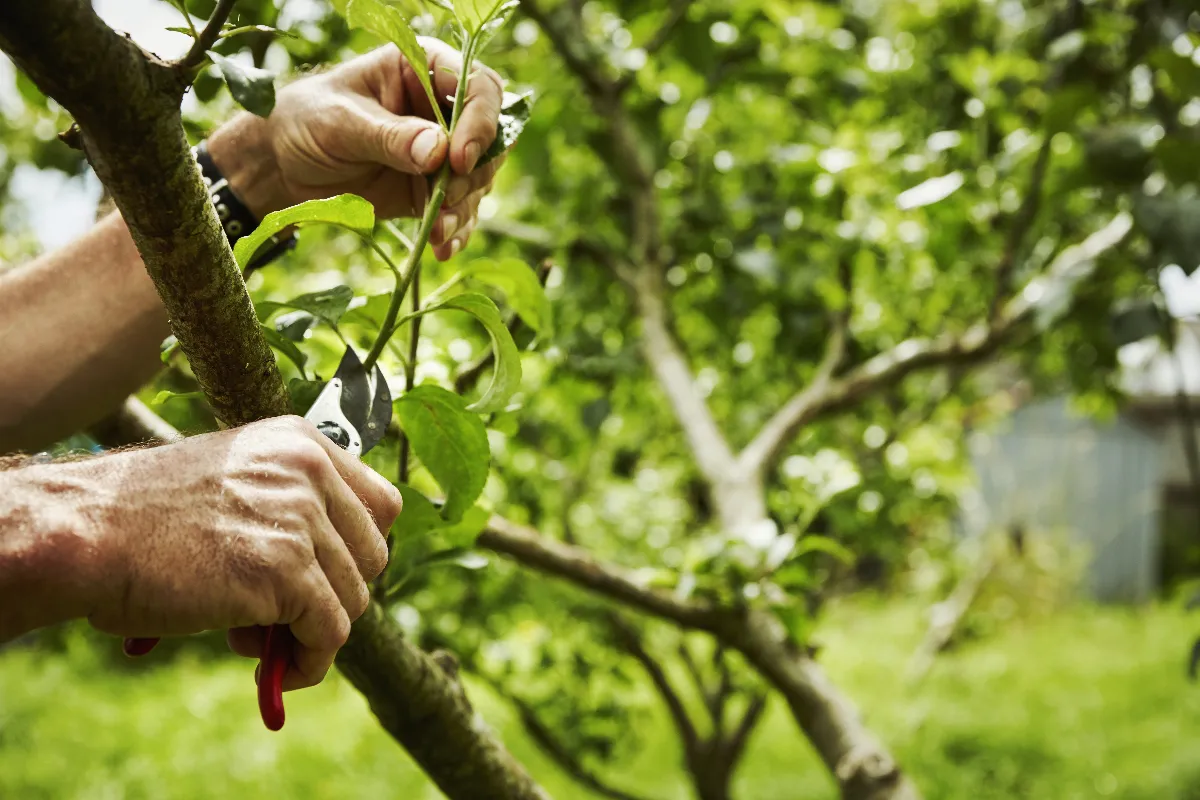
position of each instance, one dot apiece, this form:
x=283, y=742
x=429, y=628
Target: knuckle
x=374, y=564
x=339, y=629
x=358, y=605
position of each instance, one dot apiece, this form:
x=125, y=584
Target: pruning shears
x=353, y=410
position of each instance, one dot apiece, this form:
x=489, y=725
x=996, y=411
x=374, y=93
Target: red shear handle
x=138, y=647
x=276, y=656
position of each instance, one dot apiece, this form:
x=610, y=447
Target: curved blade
x=366, y=400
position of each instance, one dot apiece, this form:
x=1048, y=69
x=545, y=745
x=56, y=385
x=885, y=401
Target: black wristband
x=236, y=220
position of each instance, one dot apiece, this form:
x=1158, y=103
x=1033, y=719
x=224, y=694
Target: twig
x=410, y=371
x=1022, y=221
x=208, y=37
x=630, y=641
x=741, y=734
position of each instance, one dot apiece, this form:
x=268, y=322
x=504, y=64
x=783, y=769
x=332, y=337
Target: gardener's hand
x=267, y=523
x=367, y=127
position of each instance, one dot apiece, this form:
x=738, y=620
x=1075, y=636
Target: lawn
x=1091, y=703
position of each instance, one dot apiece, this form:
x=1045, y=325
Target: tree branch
x=630, y=640
x=737, y=741
x=1022, y=222
x=578, y=566
x=208, y=37
x=549, y=743
x=126, y=102
x=888, y=368
x=658, y=39
x=828, y=719
x=714, y=457
x=426, y=710
x=585, y=65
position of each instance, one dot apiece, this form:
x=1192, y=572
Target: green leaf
x=166, y=395
x=812, y=543
x=451, y=442
x=179, y=29
x=473, y=15
x=328, y=305
x=285, y=346
x=346, y=210
x=252, y=88
x=293, y=326
x=389, y=24
x=303, y=393
x=464, y=532
x=522, y=289
x=514, y=113
x=506, y=376
x=419, y=516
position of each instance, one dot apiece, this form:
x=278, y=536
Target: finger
x=453, y=219
x=481, y=109
x=319, y=632
x=247, y=642
x=403, y=143
x=381, y=498
x=459, y=186
x=354, y=541
x=447, y=251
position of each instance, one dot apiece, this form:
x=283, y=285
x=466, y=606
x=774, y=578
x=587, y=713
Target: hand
x=268, y=523
x=367, y=127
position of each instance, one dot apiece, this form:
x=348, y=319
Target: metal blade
x=356, y=389
x=379, y=416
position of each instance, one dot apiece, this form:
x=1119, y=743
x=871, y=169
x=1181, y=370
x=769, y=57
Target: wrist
x=242, y=151
x=54, y=564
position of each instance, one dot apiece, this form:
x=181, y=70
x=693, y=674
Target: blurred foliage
x=809, y=159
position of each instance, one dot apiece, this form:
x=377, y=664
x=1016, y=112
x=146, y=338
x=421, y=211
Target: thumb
x=406, y=144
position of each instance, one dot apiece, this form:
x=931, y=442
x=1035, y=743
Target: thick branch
x=126, y=103
x=977, y=343
x=713, y=454
x=577, y=566
x=427, y=712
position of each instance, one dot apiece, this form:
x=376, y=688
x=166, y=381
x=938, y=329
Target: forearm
x=82, y=325
x=81, y=328
x=50, y=561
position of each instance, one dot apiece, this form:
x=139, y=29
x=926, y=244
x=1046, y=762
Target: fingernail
x=449, y=225
x=472, y=155
x=424, y=146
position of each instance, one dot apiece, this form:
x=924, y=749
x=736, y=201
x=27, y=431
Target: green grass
x=1091, y=703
